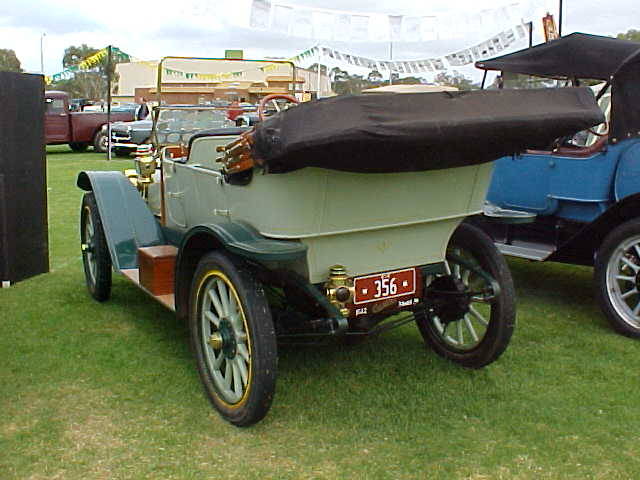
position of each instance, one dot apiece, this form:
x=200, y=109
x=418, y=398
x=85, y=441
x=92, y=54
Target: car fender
x=583, y=246
x=238, y=238
x=627, y=181
x=127, y=222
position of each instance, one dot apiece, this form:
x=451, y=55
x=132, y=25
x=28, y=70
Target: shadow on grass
x=66, y=150
x=150, y=318
x=557, y=299
x=573, y=285
x=563, y=293
x=403, y=346
x=89, y=154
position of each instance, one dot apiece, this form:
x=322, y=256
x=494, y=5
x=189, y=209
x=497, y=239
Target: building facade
x=195, y=81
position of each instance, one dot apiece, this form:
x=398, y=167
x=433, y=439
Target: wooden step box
x=156, y=265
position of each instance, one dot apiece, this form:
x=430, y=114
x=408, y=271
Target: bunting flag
x=88, y=63
x=337, y=25
x=481, y=51
x=171, y=72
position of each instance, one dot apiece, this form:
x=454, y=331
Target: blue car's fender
x=627, y=181
x=582, y=248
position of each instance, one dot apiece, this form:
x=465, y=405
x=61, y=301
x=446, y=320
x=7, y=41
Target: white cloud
x=152, y=29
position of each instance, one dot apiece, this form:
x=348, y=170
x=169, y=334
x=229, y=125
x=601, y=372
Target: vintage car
x=577, y=199
x=127, y=136
x=300, y=230
x=79, y=129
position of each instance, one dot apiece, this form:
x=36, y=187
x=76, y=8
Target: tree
x=338, y=75
x=349, y=84
x=521, y=82
x=633, y=35
x=456, y=80
x=86, y=84
x=74, y=55
x=8, y=61
x=314, y=68
x=374, y=76
x=407, y=80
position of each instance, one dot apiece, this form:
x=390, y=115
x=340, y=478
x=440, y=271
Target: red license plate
x=380, y=286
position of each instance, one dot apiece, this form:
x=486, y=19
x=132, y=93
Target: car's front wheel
x=100, y=142
x=95, y=253
x=617, y=278
x=233, y=338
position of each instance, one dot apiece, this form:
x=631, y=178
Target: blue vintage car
x=578, y=200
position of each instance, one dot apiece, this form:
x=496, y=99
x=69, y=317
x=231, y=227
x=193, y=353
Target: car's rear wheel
x=78, y=147
x=617, y=278
x=96, y=258
x=121, y=152
x=469, y=313
x=234, y=339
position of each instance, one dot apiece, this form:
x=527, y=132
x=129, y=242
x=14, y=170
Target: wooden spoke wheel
x=233, y=338
x=470, y=312
x=95, y=253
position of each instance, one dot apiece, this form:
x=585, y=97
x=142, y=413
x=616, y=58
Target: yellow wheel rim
x=225, y=338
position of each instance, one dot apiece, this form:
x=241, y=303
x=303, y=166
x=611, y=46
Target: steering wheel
x=603, y=134
x=272, y=98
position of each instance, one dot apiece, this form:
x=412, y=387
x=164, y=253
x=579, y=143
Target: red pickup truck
x=78, y=129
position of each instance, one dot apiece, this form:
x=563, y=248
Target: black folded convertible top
x=422, y=131
x=579, y=55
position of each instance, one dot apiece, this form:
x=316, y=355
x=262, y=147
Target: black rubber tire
x=611, y=243
x=261, y=336
x=98, y=284
x=121, y=152
x=99, y=145
x=503, y=309
x=78, y=147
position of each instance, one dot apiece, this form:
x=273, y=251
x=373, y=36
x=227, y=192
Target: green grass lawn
x=110, y=390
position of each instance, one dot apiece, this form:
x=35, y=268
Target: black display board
x=24, y=247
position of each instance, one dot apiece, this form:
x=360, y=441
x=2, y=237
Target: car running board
x=168, y=300
x=155, y=273
x=505, y=215
x=538, y=252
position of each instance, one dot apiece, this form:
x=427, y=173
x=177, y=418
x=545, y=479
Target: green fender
x=127, y=221
x=236, y=237
x=243, y=240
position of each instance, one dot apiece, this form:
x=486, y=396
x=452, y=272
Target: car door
x=56, y=121
x=206, y=201
x=522, y=182
x=175, y=186
x=194, y=194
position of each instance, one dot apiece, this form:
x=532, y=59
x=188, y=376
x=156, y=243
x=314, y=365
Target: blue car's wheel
x=617, y=275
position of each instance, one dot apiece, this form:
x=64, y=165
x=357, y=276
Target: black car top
x=420, y=131
x=581, y=55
